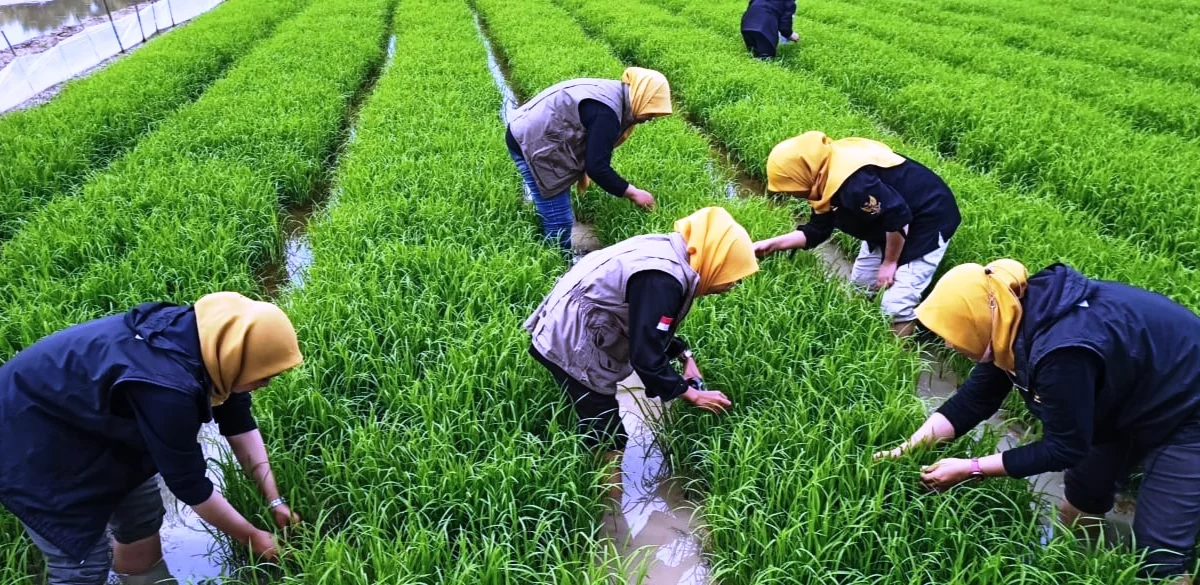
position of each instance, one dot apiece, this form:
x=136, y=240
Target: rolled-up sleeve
x=234, y=417
x=977, y=399
x=1066, y=390
x=170, y=426
x=818, y=229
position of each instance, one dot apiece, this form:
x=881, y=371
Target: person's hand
x=764, y=248
x=887, y=275
x=640, y=198
x=795, y=37
x=262, y=545
x=284, y=516
x=710, y=400
x=945, y=474
x=691, y=371
x=892, y=453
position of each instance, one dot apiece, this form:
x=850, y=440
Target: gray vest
x=551, y=137
x=583, y=324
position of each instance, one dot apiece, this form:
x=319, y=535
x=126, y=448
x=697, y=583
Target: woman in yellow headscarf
x=616, y=313
x=1112, y=372
x=92, y=415
x=566, y=134
x=903, y=212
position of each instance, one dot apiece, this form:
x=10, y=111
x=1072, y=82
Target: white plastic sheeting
x=29, y=75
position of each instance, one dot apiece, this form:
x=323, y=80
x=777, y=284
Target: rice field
x=419, y=440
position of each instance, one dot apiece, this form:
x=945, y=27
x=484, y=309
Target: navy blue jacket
x=1147, y=350
x=769, y=17
x=91, y=412
x=874, y=201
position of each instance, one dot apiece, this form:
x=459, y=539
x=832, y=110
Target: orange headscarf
x=815, y=167
x=719, y=249
x=974, y=306
x=243, y=341
x=649, y=95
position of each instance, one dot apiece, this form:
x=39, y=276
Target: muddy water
x=191, y=553
x=654, y=527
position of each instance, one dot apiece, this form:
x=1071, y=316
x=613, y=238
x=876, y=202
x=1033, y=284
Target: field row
x=48, y=150
x=787, y=487
x=194, y=207
x=1149, y=105
x=1148, y=190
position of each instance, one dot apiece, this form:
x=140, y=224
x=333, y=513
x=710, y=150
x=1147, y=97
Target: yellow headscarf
x=960, y=309
x=243, y=341
x=815, y=167
x=649, y=92
x=720, y=250
x=649, y=95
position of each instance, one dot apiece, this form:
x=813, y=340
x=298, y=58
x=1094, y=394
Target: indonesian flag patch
x=664, y=324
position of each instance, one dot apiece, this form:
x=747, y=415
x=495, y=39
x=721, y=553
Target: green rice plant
x=1150, y=105
x=1114, y=22
x=750, y=106
x=49, y=150
x=1031, y=139
x=419, y=439
x=194, y=207
x=1176, y=63
x=817, y=381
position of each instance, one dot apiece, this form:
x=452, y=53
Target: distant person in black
x=1113, y=373
x=764, y=22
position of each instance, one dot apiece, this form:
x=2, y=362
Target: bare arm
x=251, y=454
x=937, y=429
x=895, y=245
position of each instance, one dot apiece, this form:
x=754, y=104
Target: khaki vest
x=551, y=136
x=583, y=324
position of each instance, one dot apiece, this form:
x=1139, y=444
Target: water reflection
x=23, y=21
x=655, y=527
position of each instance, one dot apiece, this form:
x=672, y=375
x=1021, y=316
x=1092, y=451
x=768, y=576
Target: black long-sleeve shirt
x=655, y=299
x=603, y=129
x=169, y=425
x=874, y=201
x=1066, y=384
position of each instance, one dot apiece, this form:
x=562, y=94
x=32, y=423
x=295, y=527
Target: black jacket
x=91, y=412
x=1146, y=346
x=769, y=17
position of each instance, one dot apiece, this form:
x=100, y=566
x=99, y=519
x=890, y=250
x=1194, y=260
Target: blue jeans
x=555, y=212
x=139, y=516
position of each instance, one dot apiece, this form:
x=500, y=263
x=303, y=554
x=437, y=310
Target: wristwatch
x=687, y=354
x=975, y=470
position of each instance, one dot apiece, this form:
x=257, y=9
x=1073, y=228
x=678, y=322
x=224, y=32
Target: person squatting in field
x=1113, y=373
x=903, y=212
x=90, y=415
x=616, y=312
x=566, y=134
x=763, y=22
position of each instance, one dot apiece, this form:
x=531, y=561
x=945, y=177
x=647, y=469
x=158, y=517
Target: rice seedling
x=48, y=150
x=419, y=434
x=788, y=494
x=194, y=207
x=751, y=106
x=1150, y=105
